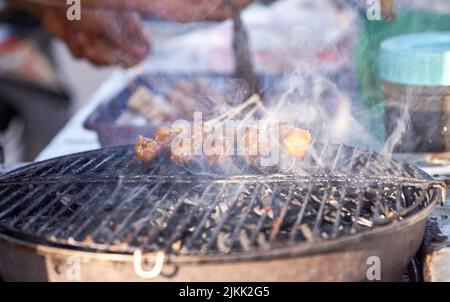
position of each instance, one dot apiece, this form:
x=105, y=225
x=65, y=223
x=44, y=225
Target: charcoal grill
x=85, y=216
x=111, y=131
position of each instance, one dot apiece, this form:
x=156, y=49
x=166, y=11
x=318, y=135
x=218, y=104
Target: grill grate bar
x=84, y=223
x=4, y=191
x=126, y=167
x=319, y=217
x=318, y=157
x=301, y=213
x=205, y=217
x=337, y=223
x=151, y=211
x=117, y=160
x=71, y=165
x=14, y=194
x=114, y=160
x=215, y=232
x=105, y=160
x=376, y=169
x=260, y=224
x=398, y=205
x=275, y=178
x=366, y=169
x=36, y=204
x=359, y=201
x=154, y=232
x=117, y=207
x=90, y=203
x=19, y=202
x=125, y=222
x=337, y=158
x=182, y=225
x=83, y=168
x=352, y=161
x=50, y=170
x=376, y=215
x=66, y=207
x=111, y=202
x=278, y=222
x=237, y=229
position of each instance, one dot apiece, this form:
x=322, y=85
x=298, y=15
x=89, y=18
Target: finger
x=225, y=9
x=54, y=21
x=126, y=60
x=98, y=58
x=72, y=41
x=217, y=10
x=240, y=3
x=99, y=53
x=130, y=42
x=125, y=56
x=91, y=49
x=184, y=10
x=134, y=33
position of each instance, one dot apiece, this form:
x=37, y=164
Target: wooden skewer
x=238, y=109
x=247, y=117
x=255, y=99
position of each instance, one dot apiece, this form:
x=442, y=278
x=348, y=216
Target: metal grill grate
x=107, y=201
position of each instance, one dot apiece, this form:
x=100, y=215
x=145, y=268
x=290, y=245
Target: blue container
x=415, y=70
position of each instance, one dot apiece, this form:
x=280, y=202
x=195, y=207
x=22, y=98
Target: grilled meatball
x=181, y=153
x=213, y=160
x=164, y=137
x=251, y=145
x=296, y=142
x=220, y=146
x=284, y=128
x=153, y=107
x=146, y=149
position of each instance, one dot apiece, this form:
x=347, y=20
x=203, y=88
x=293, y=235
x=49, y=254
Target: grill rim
x=300, y=248
x=16, y=171
x=293, y=251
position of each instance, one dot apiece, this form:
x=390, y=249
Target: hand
x=387, y=6
x=105, y=37
x=176, y=10
x=114, y=35
x=192, y=10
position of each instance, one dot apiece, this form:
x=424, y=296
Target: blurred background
x=333, y=41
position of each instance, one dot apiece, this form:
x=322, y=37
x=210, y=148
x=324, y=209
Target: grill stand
x=337, y=259
x=346, y=260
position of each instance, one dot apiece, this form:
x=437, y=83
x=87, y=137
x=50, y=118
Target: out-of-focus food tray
x=116, y=124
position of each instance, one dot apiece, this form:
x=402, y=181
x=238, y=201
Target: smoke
x=416, y=119
x=314, y=102
x=401, y=125
x=312, y=99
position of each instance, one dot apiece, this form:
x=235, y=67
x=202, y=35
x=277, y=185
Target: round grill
x=107, y=201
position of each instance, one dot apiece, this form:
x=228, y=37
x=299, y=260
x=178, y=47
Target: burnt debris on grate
x=106, y=200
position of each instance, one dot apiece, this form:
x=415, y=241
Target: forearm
x=27, y=5
x=387, y=6
x=177, y=10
